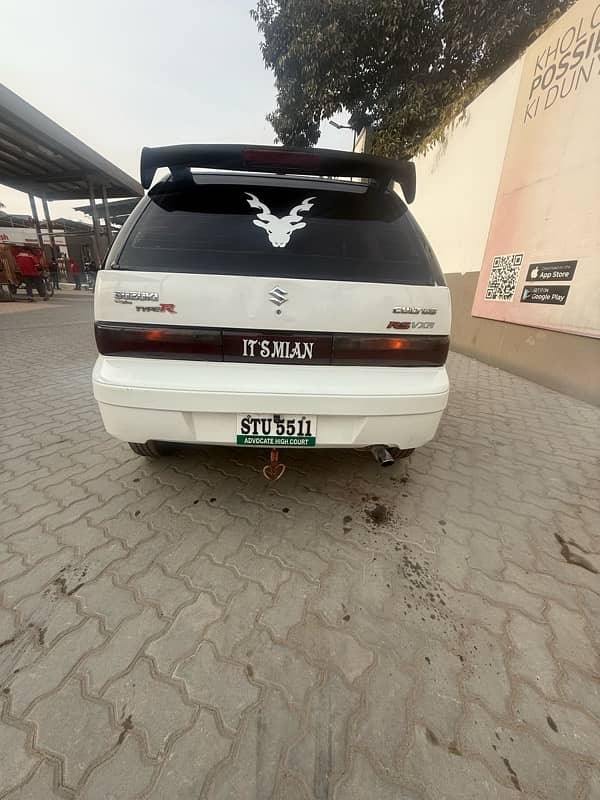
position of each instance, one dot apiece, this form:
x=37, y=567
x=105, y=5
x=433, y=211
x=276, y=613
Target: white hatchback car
x=263, y=304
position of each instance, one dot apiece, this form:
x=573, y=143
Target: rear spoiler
x=179, y=158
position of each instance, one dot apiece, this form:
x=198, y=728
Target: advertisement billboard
x=541, y=265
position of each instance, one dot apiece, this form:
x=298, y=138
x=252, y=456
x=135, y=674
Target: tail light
x=192, y=344
x=390, y=351
x=281, y=160
x=211, y=344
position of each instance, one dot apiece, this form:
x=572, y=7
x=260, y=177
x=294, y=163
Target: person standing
x=93, y=271
x=28, y=266
x=53, y=269
x=76, y=273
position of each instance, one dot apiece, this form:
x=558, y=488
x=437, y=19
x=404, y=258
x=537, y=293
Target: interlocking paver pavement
x=181, y=629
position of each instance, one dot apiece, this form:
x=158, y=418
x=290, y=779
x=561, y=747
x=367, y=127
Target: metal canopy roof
x=117, y=209
x=39, y=157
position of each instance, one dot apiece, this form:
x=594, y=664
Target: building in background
x=73, y=239
x=510, y=200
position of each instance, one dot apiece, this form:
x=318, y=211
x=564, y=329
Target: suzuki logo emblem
x=278, y=296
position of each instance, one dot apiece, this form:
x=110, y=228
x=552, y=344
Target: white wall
x=457, y=179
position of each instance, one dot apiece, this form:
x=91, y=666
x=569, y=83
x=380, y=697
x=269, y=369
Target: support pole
x=95, y=225
x=106, y=216
x=36, y=221
x=50, y=228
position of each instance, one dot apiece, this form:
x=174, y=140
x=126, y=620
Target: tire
x=149, y=449
x=397, y=453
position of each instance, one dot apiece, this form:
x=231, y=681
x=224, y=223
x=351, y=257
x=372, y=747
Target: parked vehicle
x=267, y=305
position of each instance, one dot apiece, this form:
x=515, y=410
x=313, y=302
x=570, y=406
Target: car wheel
x=149, y=449
x=397, y=453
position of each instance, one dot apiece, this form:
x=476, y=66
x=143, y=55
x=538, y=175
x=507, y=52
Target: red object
x=74, y=266
x=27, y=263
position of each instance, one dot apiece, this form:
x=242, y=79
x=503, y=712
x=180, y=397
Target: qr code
x=504, y=277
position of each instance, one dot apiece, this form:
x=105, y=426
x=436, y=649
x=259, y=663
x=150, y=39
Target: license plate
x=276, y=430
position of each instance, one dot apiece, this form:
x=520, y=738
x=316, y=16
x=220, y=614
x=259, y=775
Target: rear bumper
x=144, y=399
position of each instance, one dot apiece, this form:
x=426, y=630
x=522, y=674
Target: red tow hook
x=274, y=469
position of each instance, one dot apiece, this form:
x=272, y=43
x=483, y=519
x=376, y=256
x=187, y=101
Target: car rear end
x=273, y=311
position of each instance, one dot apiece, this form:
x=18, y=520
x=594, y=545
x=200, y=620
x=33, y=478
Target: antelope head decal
x=279, y=229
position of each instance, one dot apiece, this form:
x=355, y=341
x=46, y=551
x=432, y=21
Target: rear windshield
x=280, y=231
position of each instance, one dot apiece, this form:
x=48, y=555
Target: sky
x=121, y=74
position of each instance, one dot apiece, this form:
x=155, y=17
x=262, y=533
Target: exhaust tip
x=382, y=455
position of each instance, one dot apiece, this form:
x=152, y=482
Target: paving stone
x=291, y=787
x=65, y=492
x=544, y=585
x=571, y=641
x=320, y=754
x=276, y=664
x=51, y=614
x=517, y=758
x=217, y=684
x=168, y=593
x=336, y=593
x=15, y=761
x=7, y=624
x=331, y=649
x=471, y=609
x=179, y=526
x=299, y=559
x=444, y=774
x=73, y=512
x=154, y=707
x=189, y=760
x=97, y=561
x=564, y=727
x=453, y=561
x=140, y=559
x=384, y=725
x=105, y=487
x=209, y=577
x=11, y=568
x=264, y=571
x=362, y=781
x=582, y=690
x=215, y=518
x=228, y=541
x=485, y=673
x=23, y=522
x=530, y=655
x=72, y=728
x=120, y=649
x=130, y=530
x=593, y=788
x=81, y=536
x=239, y=619
x=123, y=776
x=438, y=701
x=288, y=608
x=36, y=578
x=34, y=544
x=185, y=551
x=267, y=732
x=181, y=638
x=508, y=594
x=103, y=598
x=39, y=787
x=48, y=672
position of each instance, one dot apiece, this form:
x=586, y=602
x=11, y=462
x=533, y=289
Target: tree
x=401, y=65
